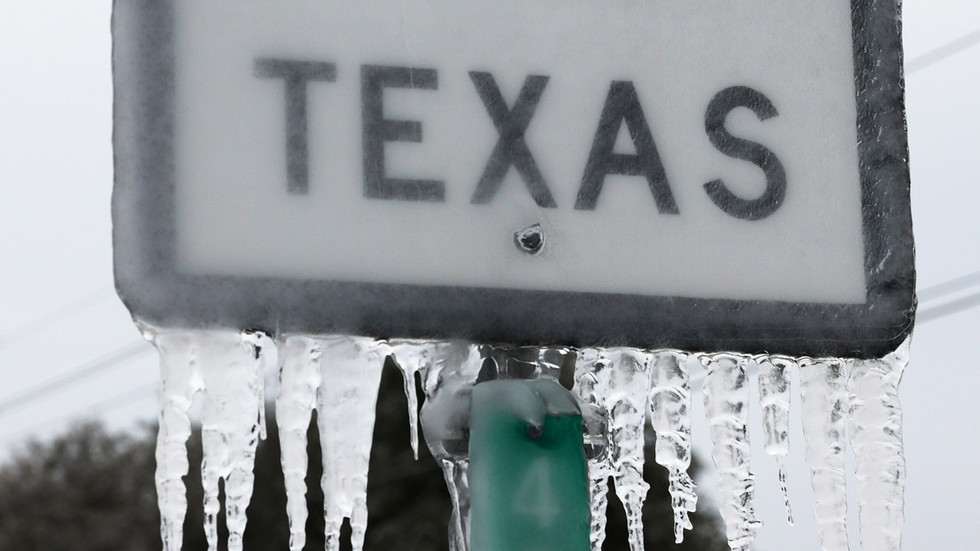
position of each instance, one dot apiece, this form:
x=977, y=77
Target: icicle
x=823, y=392
x=448, y=384
x=180, y=381
x=670, y=403
x=626, y=404
x=231, y=365
x=617, y=381
x=350, y=373
x=875, y=417
x=262, y=342
x=299, y=377
x=726, y=397
x=774, y=397
x=590, y=387
x=455, y=471
x=551, y=360
x=412, y=357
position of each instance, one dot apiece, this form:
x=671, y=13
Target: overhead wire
x=947, y=309
x=945, y=51
x=75, y=376
x=137, y=347
x=940, y=53
x=108, y=404
x=949, y=287
x=944, y=289
x=44, y=321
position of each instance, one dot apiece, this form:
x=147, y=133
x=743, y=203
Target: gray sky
x=58, y=312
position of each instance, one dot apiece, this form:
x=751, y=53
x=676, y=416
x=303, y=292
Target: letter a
x=623, y=105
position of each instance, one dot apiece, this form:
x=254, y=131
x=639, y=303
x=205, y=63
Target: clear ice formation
x=670, y=401
x=448, y=377
x=299, y=379
x=726, y=397
x=618, y=388
x=625, y=401
x=412, y=357
x=591, y=386
x=226, y=366
x=338, y=376
x=774, y=398
x=231, y=425
x=875, y=423
x=180, y=382
x=350, y=372
x=823, y=397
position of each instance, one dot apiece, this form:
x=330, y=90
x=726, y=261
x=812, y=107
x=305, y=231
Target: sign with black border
x=154, y=281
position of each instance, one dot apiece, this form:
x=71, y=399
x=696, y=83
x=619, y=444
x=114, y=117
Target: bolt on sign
x=694, y=174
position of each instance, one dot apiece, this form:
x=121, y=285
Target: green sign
x=528, y=477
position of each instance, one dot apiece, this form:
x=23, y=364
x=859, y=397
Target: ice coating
x=774, y=397
x=299, y=378
x=617, y=381
x=350, y=372
x=875, y=421
x=670, y=404
x=411, y=357
x=726, y=395
x=823, y=393
x=231, y=365
x=590, y=386
x=448, y=384
x=225, y=365
x=626, y=404
x=449, y=371
x=455, y=470
x=180, y=381
x=339, y=376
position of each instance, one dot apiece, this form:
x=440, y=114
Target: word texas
x=622, y=106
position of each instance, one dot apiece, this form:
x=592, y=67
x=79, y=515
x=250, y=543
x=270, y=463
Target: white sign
x=679, y=150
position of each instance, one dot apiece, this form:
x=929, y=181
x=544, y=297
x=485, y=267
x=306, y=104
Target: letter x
x=511, y=148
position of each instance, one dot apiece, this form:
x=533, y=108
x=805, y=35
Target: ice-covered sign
x=695, y=174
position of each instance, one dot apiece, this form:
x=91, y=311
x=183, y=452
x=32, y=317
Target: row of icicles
x=619, y=389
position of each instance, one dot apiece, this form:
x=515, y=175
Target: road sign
x=705, y=175
x=528, y=479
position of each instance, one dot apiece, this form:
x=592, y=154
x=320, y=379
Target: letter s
x=714, y=124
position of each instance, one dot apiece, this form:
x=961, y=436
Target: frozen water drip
x=226, y=366
x=726, y=396
x=875, y=421
x=299, y=379
x=823, y=392
x=774, y=397
x=670, y=404
x=617, y=388
x=617, y=382
x=350, y=372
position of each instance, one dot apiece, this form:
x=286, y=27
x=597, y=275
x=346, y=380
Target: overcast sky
x=58, y=312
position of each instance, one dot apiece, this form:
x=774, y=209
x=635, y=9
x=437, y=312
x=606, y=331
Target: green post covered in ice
x=528, y=476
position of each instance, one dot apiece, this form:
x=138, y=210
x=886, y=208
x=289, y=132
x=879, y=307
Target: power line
x=119, y=400
x=943, y=289
x=942, y=52
x=75, y=375
x=125, y=397
x=45, y=320
x=949, y=287
x=948, y=308
x=138, y=347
